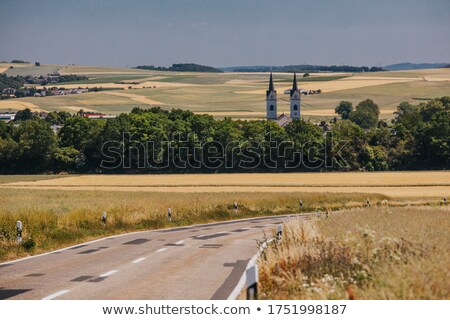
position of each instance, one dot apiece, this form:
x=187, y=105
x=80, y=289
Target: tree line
x=182, y=67
x=158, y=140
x=308, y=68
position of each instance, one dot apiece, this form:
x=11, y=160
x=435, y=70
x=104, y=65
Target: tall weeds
x=400, y=253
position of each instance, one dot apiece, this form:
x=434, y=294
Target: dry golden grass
x=420, y=184
x=378, y=253
x=6, y=66
x=57, y=218
x=396, y=192
x=341, y=84
x=18, y=104
x=135, y=97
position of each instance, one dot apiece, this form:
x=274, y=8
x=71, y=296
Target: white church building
x=271, y=103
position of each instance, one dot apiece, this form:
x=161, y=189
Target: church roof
x=283, y=120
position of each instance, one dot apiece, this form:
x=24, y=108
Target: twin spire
x=271, y=100
x=272, y=88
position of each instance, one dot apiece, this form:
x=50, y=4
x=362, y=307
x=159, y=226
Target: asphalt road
x=197, y=262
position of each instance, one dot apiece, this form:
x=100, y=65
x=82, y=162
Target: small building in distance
x=7, y=116
x=94, y=115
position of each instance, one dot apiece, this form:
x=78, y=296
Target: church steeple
x=271, y=100
x=271, y=87
x=295, y=99
x=294, y=84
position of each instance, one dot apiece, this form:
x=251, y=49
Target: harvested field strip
x=423, y=192
x=329, y=179
x=232, y=185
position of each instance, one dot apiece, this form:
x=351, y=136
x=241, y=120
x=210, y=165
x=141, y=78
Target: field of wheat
x=376, y=253
x=405, y=184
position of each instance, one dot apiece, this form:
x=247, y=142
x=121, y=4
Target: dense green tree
x=64, y=159
x=349, y=139
x=344, y=109
x=35, y=143
x=365, y=114
x=433, y=140
x=432, y=107
x=23, y=115
x=5, y=130
x=77, y=131
x=307, y=139
x=364, y=118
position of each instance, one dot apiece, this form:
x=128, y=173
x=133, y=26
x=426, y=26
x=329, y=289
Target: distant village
x=11, y=116
x=53, y=91
x=17, y=86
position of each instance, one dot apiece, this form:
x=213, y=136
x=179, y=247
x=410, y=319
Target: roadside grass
x=376, y=253
x=54, y=219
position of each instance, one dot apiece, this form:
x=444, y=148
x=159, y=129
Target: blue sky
x=225, y=32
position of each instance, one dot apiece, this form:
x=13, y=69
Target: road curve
x=198, y=262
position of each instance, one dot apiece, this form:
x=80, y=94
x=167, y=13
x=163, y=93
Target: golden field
x=376, y=253
x=403, y=184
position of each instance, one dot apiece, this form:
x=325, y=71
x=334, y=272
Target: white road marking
x=180, y=242
x=210, y=234
x=107, y=274
x=55, y=295
x=161, y=250
x=138, y=260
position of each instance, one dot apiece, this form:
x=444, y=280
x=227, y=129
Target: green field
x=31, y=70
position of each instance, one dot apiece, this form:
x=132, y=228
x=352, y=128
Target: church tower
x=271, y=100
x=295, y=99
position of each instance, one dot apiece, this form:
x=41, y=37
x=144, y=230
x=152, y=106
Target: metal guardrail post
x=252, y=283
x=19, y=228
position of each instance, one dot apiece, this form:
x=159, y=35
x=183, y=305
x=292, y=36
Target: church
x=271, y=103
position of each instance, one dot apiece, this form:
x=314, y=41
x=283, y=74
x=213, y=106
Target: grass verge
x=378, y=253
